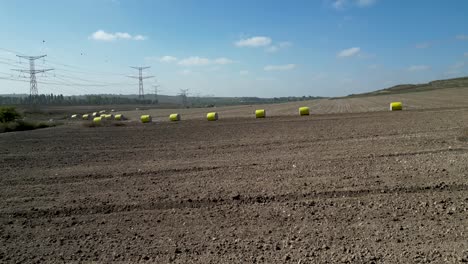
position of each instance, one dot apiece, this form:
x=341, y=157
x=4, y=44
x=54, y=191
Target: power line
x=140, y=77
x=97, y=83
x=72, y=75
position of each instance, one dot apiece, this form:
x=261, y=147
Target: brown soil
x=382, y=187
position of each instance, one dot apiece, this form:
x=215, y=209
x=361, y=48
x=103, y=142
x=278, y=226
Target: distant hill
x=411, y=88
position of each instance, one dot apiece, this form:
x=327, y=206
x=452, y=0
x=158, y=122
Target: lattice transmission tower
x=32, y=73
x=140, y=77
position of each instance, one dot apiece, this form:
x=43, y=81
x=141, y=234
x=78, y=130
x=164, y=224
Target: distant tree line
x=61, y=100
x=52, y=99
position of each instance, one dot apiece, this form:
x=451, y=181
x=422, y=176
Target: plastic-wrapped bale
x=97, y=120
x=96, y=114
x=174, y=117
x=102, y=111
x=304, y=111
x=213, y=116
x=108, y=117
x=85, y=117
x=260, y=113
x=75, y=116
x=146, y=119
x=396, y=106
x=119, y=117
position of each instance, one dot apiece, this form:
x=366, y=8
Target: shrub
x=20, y=125
x=8, y=114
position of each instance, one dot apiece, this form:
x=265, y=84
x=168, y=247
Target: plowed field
x=376, y=187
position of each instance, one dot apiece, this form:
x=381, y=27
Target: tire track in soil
x=170, y=172
x=235, y=200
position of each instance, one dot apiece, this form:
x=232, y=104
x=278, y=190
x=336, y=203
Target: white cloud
x=423, y=45
x=272, y=49
x=122, y=35
x=414, y=68
x=222, y=61
x=285, y=67
x=101, y=35
x=168, y=59
x=140, y=37
x=339, y=4
x=277, y=47
x=349, y=52
x=342, y=4
x=259, y=41
x=244, y=72
x=364, y=3
x=194, y=61
x=200, y=61
x=462, y=37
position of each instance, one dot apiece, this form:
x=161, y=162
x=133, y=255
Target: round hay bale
x=97, y=120
x=119, y=117
x=146, y=119
x=260, y=113
x=107, y=117
x=85, y=117
x=303, y=110
x=174, y=117
x=75, y=116
x=102, y=111
x=96, y=114
x=213, y=116
x=396, y=106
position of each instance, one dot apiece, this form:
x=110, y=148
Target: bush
x=20, y=125
x=8, y=114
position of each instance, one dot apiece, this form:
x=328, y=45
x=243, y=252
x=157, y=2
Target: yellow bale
x=119, y=117
x=213, y=116
x=85, y=117
x=260, y=113
x=146, y=119
x=97, y=120
x=395, y=106
x=174, y=117
x=108, y=117
x=303, y=110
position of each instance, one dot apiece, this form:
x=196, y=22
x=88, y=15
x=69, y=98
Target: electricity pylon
x=32, y=73
x=140, y=77
x=156, y=92
x=183, y=94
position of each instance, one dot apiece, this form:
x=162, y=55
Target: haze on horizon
x=232, y=48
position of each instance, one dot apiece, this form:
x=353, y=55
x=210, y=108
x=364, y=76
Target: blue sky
x=262, y=48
